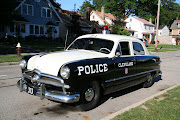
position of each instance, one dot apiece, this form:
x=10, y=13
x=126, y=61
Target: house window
x=130, y=20
x=93, y=16
x=18, y=28
x=41, y=30
x=12, y=27
x=27, y=9
x=145, y=27
x=36, y=30
x=46, y=12
x=31, y=29
x=22, y=26
x=178, y=25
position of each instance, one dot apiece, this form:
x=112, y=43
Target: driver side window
x=123, y=48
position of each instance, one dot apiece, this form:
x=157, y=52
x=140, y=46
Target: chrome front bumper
x=50, y=94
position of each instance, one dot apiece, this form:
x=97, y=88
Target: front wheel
x=90, y=96
x=150, y=81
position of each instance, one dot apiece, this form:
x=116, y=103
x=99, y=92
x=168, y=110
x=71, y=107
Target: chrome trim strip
x=61, y=81
x=58, y=83
x=62, y=98
x=49, y=76
x=112, y=80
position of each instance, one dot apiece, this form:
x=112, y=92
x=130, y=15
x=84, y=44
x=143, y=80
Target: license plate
x=31, y=90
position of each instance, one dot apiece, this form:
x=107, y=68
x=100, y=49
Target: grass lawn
x=163, y=48
x=45, y=47
x=164, y=107
x=9, y=58
x=11, y=49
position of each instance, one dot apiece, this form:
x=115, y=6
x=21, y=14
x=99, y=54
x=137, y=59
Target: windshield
x=99, y=45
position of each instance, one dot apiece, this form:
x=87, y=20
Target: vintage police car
x=92, y=65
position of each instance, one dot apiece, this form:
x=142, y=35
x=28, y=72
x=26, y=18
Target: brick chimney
x=150, y=20
x=103, y=13
x=88, y=9
x=176, y=18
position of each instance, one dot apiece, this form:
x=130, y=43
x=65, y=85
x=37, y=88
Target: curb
x=9, y=63
x=136, y=104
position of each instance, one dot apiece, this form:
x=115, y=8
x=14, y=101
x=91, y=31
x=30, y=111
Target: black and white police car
x=92, y=65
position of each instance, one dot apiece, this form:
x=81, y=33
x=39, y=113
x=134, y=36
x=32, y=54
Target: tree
x=6, y=11
x=147, y=9
x=169, y=11
x=86, y=3
x=118, y=29
x=119, y=8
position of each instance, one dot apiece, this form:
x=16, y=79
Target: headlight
x=23, y=64
x=65, y=72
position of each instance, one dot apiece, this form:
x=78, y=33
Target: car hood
x=50, y=63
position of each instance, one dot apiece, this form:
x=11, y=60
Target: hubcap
x=149, y=79
x=89, y=94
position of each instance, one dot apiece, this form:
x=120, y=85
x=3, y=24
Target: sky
x=69, y=4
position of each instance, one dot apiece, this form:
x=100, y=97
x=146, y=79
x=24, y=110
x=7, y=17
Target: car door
x=143, y=61
x=125, y=66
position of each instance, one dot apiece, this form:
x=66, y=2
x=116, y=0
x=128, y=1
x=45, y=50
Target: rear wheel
x=150, y=81
x=89, y=96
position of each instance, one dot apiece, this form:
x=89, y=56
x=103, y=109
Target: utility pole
x=157, y=26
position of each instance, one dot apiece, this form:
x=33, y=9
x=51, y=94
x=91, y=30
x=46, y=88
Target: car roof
x=112, y=37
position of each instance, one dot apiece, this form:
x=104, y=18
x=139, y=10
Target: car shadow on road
x=125, y=91
x=64, y=109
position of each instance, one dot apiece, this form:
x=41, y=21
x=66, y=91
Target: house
x=163, y=30
x=35, y=17
x=141, y=27
x=175, y=33
x=103, y=18
x=175, y=27
x=75, y=24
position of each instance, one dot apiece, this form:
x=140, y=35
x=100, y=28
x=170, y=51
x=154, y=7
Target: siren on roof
x=105, y=30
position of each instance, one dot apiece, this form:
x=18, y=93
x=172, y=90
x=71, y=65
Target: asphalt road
x=19, y=106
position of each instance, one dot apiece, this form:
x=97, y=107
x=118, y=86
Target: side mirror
x=118, y=54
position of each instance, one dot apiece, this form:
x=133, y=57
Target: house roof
x=161, y=27
x=175, y=25
x=51, y=3
x=144, y=21
x=109, y=15
x=83, y=22
x=50, y=23
x=19, y=18
x=54, y=4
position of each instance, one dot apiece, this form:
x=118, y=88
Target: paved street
x=19, y=106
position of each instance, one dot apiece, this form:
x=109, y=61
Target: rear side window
x=124, y=48
x=138, y=49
